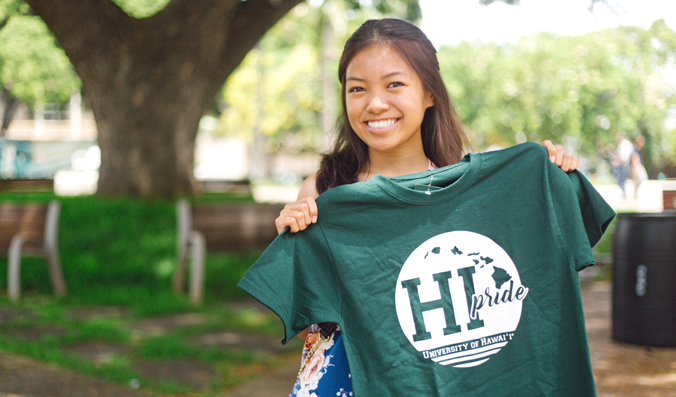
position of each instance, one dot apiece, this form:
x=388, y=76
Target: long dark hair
x=443, y=135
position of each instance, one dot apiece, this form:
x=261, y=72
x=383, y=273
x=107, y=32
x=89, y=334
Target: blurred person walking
x=637, y=171
x=620, y=161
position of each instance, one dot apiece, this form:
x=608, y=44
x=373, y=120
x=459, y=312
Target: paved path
x=24, y=377
x=647, y=199
x=621, y=369
x=277, y=384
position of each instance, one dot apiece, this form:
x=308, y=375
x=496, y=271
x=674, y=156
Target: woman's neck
x=391, y=165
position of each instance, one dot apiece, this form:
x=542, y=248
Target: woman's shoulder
x=309, y=187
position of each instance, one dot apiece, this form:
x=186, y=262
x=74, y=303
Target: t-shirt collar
x=453, y=179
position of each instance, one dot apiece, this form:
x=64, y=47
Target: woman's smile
x=380, y=125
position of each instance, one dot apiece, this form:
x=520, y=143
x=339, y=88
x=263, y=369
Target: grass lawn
x=118, y=256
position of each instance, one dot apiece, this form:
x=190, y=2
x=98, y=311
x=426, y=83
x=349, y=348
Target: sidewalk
x=276, y=384
x=24, y=377
x=621, y=369
x=648, y=199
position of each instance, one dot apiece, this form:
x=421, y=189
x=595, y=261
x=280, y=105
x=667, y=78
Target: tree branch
x=250, y=21
x=80, y=24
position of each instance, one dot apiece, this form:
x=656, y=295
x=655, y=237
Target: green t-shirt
x=471, y=289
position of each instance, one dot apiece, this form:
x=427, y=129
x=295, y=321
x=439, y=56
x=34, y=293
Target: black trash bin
x=644, y=279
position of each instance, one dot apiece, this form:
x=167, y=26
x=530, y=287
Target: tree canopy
x=579, y=91
x=33, y=68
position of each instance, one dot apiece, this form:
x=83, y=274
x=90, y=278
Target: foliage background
x=577, y=91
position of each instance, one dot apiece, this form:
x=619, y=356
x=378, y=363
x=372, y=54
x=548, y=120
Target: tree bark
x=10, y=104
x=149, y=81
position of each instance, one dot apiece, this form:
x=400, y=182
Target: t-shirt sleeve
x=296, y=279
x=581, y=213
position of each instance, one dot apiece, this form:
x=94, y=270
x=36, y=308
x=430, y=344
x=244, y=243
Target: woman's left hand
x=565, y=161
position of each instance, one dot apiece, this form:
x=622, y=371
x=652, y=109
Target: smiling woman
x=397, y=120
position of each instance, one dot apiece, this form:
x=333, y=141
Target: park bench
x=30, y=230
x=218, y=227
x=26, y=185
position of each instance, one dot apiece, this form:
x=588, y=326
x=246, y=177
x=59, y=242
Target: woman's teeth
x=381, y=123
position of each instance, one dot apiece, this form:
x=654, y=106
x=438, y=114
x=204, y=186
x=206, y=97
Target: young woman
x=397, y=119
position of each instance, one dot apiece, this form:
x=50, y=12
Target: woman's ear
x=429, y=100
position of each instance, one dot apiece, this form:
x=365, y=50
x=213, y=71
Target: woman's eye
x=355, y=89
x=395, y=84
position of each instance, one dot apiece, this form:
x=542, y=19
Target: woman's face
x=385, y=100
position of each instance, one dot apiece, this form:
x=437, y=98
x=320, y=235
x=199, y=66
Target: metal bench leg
x=51, y=247
x=14, y=267
x=183, y=226
x=199, y=248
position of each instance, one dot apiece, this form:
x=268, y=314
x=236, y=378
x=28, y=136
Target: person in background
x=637, y=172
x=620, y=161
x=397, y=119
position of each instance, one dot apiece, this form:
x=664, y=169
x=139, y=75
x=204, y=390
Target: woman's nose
x=377, y=105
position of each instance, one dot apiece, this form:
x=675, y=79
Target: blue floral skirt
x=326, y=373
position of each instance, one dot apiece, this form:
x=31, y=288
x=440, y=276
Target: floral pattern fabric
x=326, y=373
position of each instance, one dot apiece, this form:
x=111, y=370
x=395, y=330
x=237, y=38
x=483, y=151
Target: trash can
x=644, y=279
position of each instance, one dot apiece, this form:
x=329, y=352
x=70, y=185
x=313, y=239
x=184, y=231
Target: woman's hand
x=297, y=216
x=565, y=161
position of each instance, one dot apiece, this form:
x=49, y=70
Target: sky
x=451, y=21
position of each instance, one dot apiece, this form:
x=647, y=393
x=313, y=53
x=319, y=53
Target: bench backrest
x=15, y=218
x=26, y=185
x=236, y=227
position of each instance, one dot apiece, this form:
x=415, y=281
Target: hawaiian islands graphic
x=500, y=276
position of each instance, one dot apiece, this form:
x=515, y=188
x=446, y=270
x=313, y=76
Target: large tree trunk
x=150, y=80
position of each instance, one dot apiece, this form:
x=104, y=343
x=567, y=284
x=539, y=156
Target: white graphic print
x=458, y=298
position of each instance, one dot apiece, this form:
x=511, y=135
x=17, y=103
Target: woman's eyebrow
x=385, y=76
x=393, y=73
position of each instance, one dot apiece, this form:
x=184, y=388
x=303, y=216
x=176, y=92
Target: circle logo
x=459, y=298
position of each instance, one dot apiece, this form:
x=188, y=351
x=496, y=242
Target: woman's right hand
x=297, y=216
